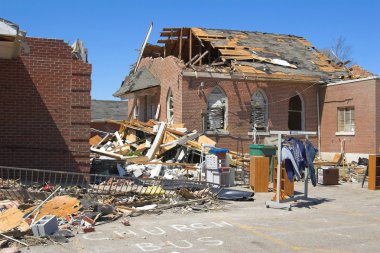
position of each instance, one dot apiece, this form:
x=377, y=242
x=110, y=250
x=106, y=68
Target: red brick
x=40, y=104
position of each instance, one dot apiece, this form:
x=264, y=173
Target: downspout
x=319, y=124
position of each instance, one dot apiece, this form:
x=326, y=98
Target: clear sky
x=113, y=31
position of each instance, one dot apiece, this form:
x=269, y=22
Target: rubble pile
x=151, y=150
x=55, y=219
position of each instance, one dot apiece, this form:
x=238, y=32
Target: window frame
x=301, y=112
x=342, y=130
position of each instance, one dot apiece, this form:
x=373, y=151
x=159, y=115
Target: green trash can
x=261, y=150
x=264, y=150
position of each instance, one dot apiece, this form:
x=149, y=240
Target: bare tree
x=340, y=52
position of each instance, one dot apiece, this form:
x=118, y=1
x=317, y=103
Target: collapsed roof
x=252, y=54
x=142, y=79
x=359, y=72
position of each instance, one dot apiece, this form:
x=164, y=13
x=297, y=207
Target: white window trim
x=345, y=133
x=217, y=132
x=260, y=133
x=170, y=96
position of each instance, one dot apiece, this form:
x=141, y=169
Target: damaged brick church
x=235, y=86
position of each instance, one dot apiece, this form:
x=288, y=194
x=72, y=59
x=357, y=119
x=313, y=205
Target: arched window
x=216, y=110
x=259, y=114
x=295, y=115
x=170, y=107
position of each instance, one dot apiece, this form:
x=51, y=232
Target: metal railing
x=24, y=183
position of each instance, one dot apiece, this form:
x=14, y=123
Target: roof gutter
x=242, y=76
x=353, y=81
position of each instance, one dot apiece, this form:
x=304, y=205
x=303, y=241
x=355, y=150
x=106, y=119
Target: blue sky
x=113, y=31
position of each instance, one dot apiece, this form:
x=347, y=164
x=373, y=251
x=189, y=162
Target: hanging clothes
x=291, y=165
x=311, y=151
x=298, y=150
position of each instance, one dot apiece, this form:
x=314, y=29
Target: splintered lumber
x=157, y=112
x=168, y=138
x=157, y=141
x=60, y=206
x=30, y=212
x=12, y=218
x=141, y=147
x=110, y=154
x=205, y=140
x=183, y=140
x=173, y=131
x=136, y=159
x=131, y=136
x=95, y=140
x=177, y=125
x=118, y=138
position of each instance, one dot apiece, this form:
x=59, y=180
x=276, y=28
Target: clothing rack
x=277, y=203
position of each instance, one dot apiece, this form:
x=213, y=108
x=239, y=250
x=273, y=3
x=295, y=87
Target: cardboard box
x=328, y=176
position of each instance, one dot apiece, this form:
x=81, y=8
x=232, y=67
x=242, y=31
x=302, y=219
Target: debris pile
x=55, y=219
x=151, y=150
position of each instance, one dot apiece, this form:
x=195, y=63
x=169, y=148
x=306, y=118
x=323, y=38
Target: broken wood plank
x=12, y=218
x=190, y=44
x=168, y=137
x=95, y=140
x=182, y=140
x=192, y=59
x=118, y=138
x=136, y=159
x=141, y=147
x=131, y=136
x=157, y=141
x=60, y=206
x=203, y=139
x=200, y=58
x=157, y=112
x=110, y=154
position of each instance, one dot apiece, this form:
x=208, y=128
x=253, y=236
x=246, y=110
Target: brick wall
x=362, y=96
x=168, y=72
x=239, y=95
x=190, y=100
x=45, y=108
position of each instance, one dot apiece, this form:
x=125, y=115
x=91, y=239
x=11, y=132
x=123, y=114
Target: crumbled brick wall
x=239, y=95
x=45, y=108
x=363, y=97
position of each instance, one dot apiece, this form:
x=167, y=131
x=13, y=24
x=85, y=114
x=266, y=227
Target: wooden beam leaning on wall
x=190, y=44
x=180, y=45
